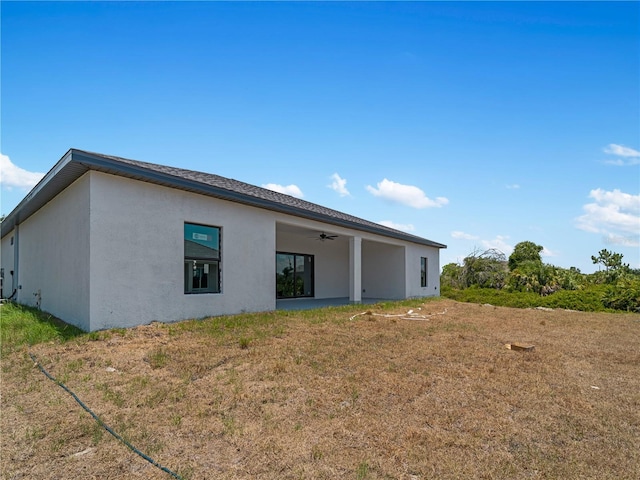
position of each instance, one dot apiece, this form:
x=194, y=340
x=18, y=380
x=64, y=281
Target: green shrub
x=451, y=276
x=487, y=269
x=623, y=295
x=525, y=252
x=484, y=278
x=543, y=278
x=531, y=276
x=586, y=300
x=570, y=279
x=494, y=297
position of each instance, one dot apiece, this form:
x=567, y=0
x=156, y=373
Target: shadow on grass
x=23, y=325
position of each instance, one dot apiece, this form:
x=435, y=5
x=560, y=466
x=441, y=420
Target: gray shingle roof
x=197, y=250
x=77, y=162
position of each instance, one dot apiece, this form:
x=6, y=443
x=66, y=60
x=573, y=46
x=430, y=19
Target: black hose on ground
x=102, y=424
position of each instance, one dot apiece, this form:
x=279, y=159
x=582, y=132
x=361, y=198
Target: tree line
x=616, y=284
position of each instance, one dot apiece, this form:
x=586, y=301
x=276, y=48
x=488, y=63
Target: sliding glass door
x=294, y=275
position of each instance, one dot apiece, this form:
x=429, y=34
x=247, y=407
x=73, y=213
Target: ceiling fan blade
x=323, y=236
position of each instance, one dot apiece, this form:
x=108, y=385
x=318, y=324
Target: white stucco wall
x=383, y=270
x=137, y=254
x=413, y=254
x=109, y=252
x=332, y=270
x=53, y=249
x=6, y=262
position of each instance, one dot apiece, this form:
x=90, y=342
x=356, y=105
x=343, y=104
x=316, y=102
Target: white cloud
x=499, y=243
x=618, y=162
x=625, y=201
x=13, y=176
x=629, y=155
x=292, y=190
x=405, y=227
x=513, y=186
x=621, y=150
x=622, y=240
x=339, y=185
x=463, y=236
x=614, y=214
x=405, y=194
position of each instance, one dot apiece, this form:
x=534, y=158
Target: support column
x=355, y=269
x=16, y=262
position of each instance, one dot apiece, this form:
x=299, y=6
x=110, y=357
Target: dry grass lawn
x=315, y=395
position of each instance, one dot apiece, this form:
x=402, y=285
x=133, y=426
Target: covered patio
x=336, y=267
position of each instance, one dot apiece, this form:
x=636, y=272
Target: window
x=294, y=275
x=423, y=271
x=201, y=259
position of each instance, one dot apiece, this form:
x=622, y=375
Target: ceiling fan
x=323, y=236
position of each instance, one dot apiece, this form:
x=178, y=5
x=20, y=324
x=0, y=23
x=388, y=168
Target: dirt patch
x=322, y=396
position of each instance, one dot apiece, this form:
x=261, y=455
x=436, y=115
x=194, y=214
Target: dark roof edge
x=112, y=165
x=97, y=160
x=13, y=218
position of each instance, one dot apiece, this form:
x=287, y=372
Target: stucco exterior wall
x=108, y=251
x=383, y=270
x=332, y=270
x=53, y=248
x=413, y=254
x=137, y=254
x=6, y=263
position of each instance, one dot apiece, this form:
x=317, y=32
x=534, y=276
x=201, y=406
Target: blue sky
x=478, y=125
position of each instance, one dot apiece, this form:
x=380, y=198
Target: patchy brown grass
x=316, y=395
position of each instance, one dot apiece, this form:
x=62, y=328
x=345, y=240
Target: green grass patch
x=157, y=358
x=588, y=299
x=246, y=328
x=21, y=325
x=362, y=472
x=231, y=327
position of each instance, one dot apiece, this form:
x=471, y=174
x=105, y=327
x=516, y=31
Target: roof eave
x=165, y=179
x=54, y=181
x=76, y=162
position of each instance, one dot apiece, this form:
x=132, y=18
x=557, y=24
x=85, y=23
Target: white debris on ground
x=410, y=315
x=84, y=452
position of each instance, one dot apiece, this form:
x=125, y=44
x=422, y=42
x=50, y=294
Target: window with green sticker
x=202, y=273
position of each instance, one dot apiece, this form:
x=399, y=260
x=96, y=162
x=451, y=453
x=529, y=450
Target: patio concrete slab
x=311, y=303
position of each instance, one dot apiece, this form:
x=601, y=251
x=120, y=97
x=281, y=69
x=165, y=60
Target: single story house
x=105, y=242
